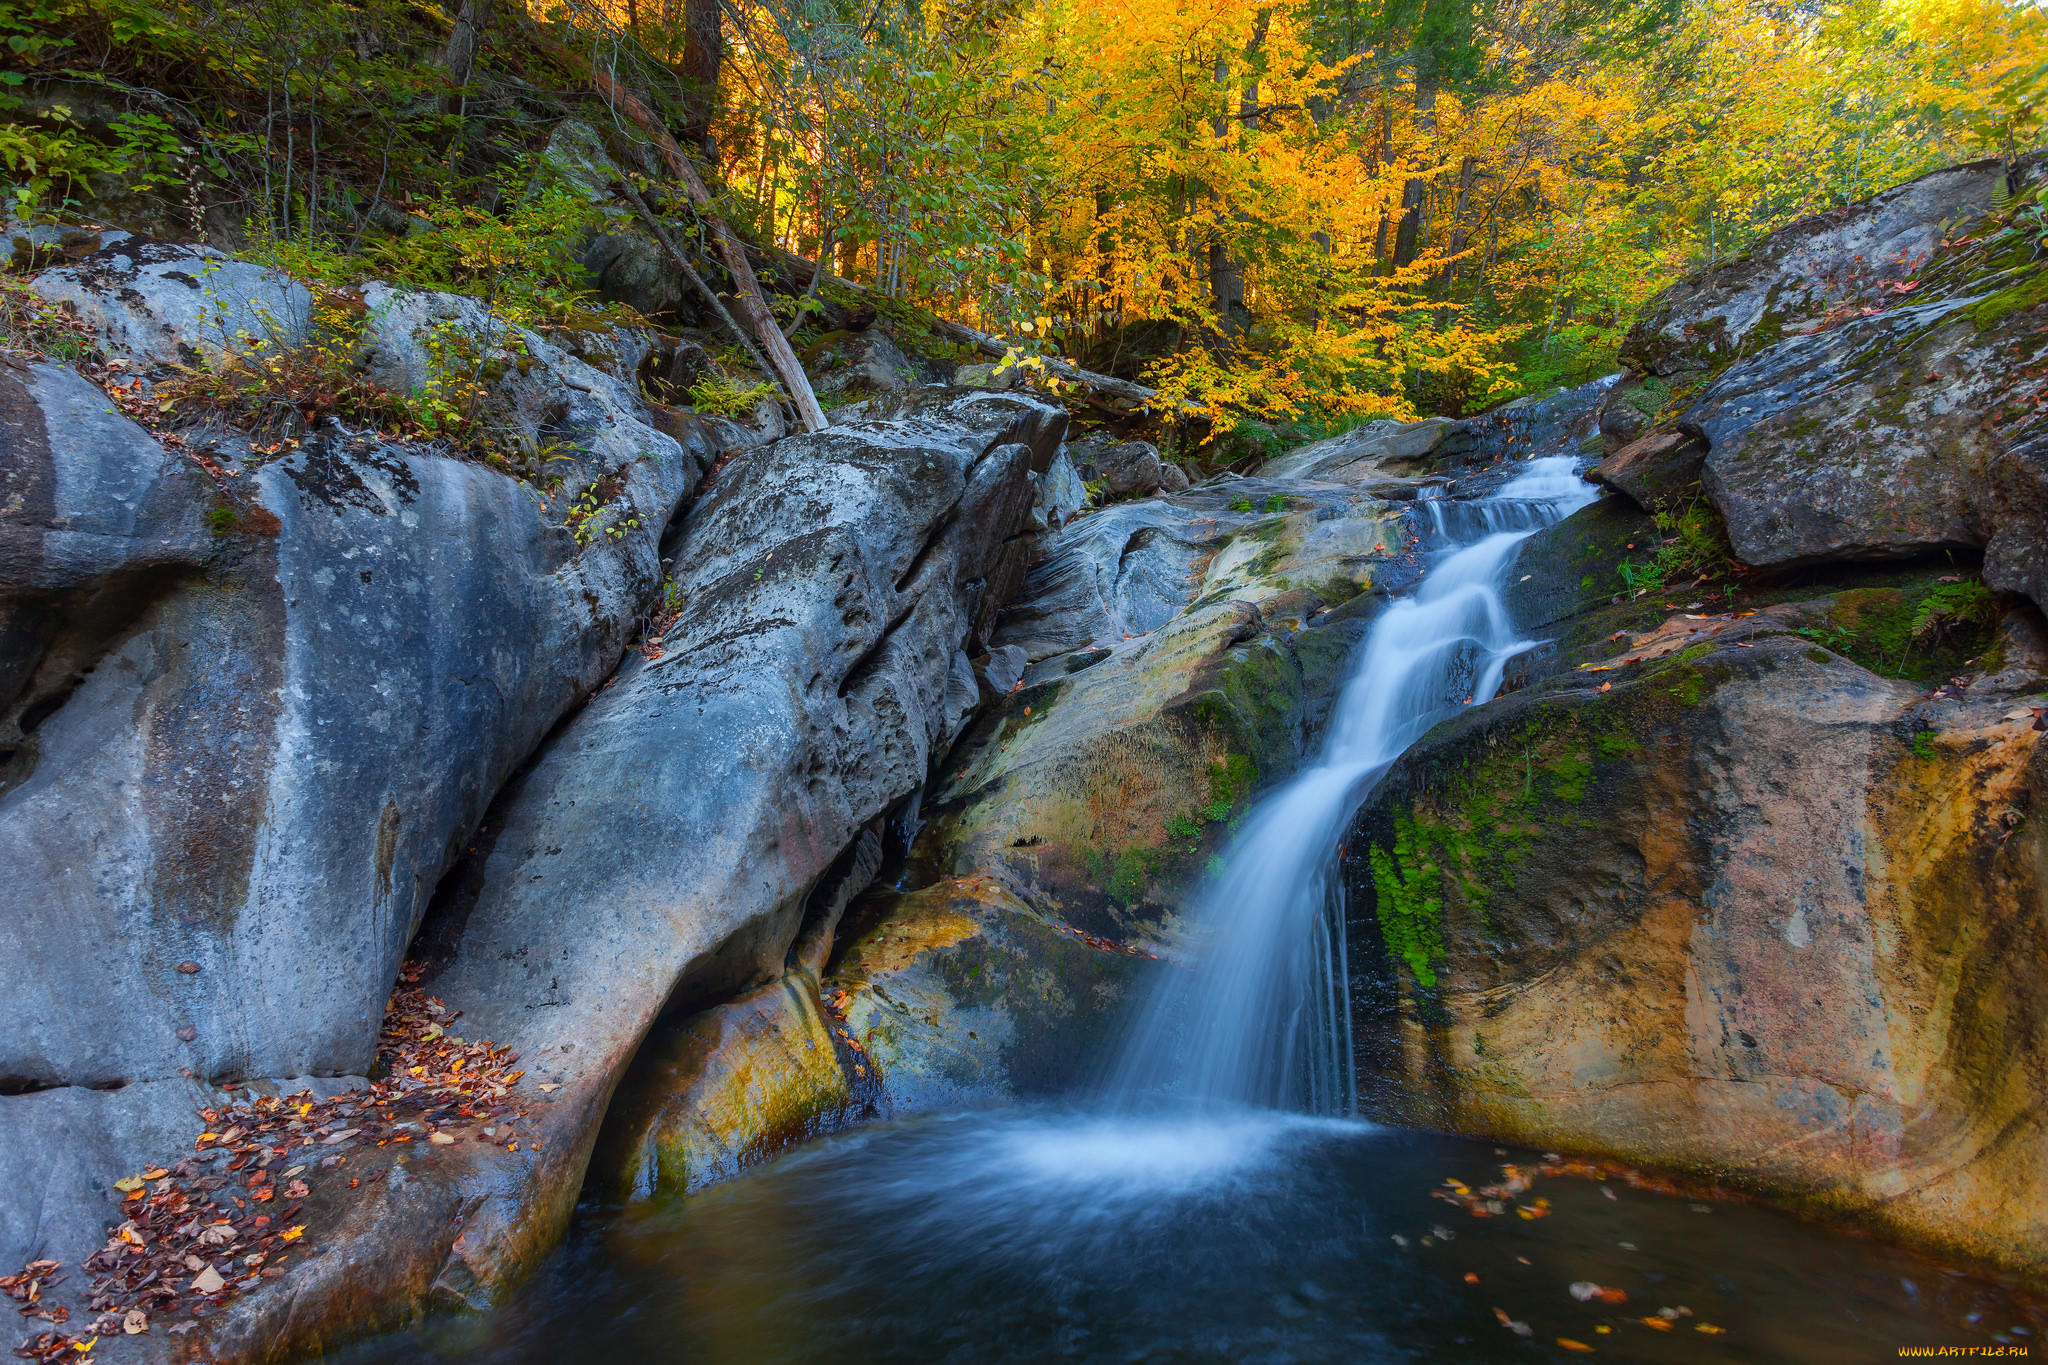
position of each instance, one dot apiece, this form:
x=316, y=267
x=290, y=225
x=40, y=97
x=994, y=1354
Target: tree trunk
x=1466, y=170
x=1226, y=276
x=1408, y=238
x=459, y=57
x=703, y=56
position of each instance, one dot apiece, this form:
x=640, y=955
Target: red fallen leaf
x=1656, y=1324
x=1471, y=1278
x=1570, y=1345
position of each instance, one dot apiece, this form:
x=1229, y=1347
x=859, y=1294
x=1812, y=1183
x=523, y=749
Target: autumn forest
x=1305, y=214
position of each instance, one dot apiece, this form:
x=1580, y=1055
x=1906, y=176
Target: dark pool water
x=1034, y=1236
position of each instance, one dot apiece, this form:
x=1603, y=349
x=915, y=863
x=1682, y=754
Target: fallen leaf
x=1570, y=1345
x=1709, y=1329
x=293, y=1234
x=1471, y=1278
x=1660, y=1324
x=208, y=1281
x=441, y=1140
x=135, y=1323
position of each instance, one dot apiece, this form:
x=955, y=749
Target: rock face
x=178, y=305
x=849, y=366
x=1178, y=651
x=1163, y=658
x=1846, y=411
x=1841, y=259
x=249, y=717
x=670, y=846
x=1748, y=900
x=969, y=992
x=1755, y=914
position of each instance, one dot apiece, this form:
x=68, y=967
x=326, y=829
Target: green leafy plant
x=1694, y=546
x=589, y=516
x=722, y=397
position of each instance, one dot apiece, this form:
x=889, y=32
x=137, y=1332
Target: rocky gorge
x=737, y=787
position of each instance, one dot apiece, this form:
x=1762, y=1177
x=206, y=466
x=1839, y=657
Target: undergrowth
x=1694, y=549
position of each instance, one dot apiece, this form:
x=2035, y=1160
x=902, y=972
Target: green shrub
x=1695, y=546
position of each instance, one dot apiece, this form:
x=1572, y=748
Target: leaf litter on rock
x=193, y=1239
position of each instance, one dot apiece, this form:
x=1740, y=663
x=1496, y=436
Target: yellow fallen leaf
x=1571, y=1345
x=1659, y=1324
x=1709, y=1329
x=293, y=1234
x=128, y=1184
x=83, y=1346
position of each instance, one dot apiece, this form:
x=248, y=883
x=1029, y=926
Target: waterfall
x=1261, y=1019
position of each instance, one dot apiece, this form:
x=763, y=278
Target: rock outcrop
x=254, y=718
x=669, y=846
x=1745, y=910
x=1753, y=887
x=256, y=708
x=1864, y=384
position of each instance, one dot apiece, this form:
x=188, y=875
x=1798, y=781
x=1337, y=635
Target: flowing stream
x=1216, y=1204
x=1261, y=1019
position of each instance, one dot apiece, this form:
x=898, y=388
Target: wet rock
x=1172, y=668
x=964, y=992
x=733, y=1086
x=1747, y=911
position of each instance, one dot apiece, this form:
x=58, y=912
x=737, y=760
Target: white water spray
x=1261, y=1019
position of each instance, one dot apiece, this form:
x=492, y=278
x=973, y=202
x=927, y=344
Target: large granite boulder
x=176, y=304
x=253, y=710
x=1884, y=411
x=688, y=837
x=848, y=367
x=1841, y=260
x=1710, y=895
x=1903, y=433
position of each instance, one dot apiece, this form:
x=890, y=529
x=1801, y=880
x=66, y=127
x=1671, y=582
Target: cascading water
x=1261, y=1018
